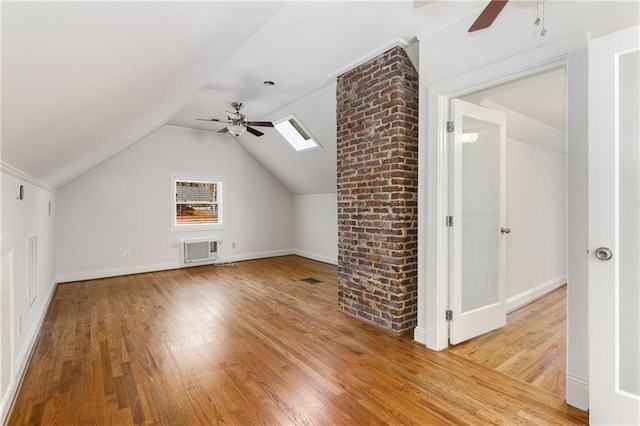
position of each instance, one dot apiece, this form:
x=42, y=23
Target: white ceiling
x=81, y=81
x=303, y=47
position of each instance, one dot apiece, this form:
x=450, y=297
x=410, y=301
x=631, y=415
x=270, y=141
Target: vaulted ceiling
x=82, y=81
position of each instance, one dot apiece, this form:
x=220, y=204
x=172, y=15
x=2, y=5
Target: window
x=297, y=136
x=197, y=203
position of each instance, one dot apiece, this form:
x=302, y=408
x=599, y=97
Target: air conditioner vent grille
x=200, y=250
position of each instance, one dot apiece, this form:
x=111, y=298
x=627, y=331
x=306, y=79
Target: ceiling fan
x=488, y=15
x=238, y=123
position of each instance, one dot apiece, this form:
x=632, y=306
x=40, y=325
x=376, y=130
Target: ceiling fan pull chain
x=537, y=22
x=544, y=28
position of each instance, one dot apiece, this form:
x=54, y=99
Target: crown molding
x=9, y=169
x=394, y=43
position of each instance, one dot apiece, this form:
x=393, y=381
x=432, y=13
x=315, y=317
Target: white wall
x=315, y=224
x=536, y=205
x=19, y=320
x=125, y=204
x=536, y=214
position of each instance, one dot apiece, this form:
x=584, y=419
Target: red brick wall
x=377, y=149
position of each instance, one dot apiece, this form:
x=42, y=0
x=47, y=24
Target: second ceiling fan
x=488, y=15
x=238, y=124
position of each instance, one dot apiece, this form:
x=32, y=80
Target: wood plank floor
x=532, y=347
x=251, y=344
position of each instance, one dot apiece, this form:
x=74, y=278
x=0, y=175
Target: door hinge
x=449, y=126
x=449, y=315
x=449, y=221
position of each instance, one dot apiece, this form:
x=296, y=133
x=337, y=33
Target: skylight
x=297, y=136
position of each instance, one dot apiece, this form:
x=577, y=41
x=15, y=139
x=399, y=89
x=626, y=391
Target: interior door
x=478, y=229
x=614, y=228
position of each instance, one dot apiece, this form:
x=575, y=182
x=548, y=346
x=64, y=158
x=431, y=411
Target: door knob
x=604, y=253
x=505, y=230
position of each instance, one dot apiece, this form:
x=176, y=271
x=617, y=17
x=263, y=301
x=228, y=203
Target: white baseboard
x=316, y=256
x=114, y=272
x=433, y=341
x=24, y=356
x=538, y=291
x=428, y=336
x=577, y=392
x=140, y=269
x=420, y=335
x=256, y=255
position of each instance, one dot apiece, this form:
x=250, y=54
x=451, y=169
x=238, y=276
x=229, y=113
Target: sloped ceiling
x=542, y=97
x=81, y=81
x=536, y=108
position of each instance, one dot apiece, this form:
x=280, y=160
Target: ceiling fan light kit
x=237, y=129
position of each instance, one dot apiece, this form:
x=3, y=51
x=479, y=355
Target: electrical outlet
x=127, y=254
x=233, y=244
x=261, y=243
x=20, y=324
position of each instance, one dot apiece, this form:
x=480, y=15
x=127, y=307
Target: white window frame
x=175, y=226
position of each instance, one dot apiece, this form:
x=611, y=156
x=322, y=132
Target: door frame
x=433, y=274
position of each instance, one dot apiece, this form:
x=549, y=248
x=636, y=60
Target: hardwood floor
x=532, y=347
x=251, y=344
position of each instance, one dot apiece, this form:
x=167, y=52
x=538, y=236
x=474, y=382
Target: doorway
x=432, y=329
x=531, y=232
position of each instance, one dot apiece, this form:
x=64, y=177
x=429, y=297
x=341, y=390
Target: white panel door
x=614, y=228
x=479, y=232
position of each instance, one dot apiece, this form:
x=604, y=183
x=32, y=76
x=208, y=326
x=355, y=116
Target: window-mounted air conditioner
x=199, y=249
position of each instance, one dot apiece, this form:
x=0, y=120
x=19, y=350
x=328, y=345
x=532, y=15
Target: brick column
x=377, y=150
